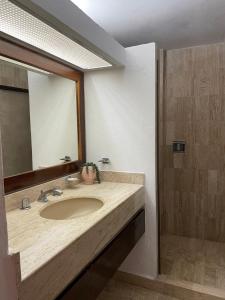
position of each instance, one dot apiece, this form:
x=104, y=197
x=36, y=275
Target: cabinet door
x=92, y=280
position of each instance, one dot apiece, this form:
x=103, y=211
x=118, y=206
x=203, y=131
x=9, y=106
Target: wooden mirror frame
x=25, y=55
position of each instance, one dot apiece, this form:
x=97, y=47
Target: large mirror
x=42, y=117
x=38, y=118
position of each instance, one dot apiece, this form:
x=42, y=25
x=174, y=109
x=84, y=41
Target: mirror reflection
x=38, y=118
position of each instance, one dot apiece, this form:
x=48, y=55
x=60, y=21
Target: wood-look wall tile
x=201, y=157
x=177, y=179
x=208, y=157
x=221, y=207
x=216, y=132
x=221, y=235
x=163, y=222
x=189, y=156
x=201, y=132
x=192, y=219
x=168, y=156
x=200, y=181
x=215, y=108
x=161, y=136
x=194, y=106
x=215, y=157
x=213, y=182
x=187, y=180
x=169, y=179
x=222, y=96
x=210, y=232
x=178, y=160
x=184, y=109
x=221, y=182
x=221, y=126
x=210, y=206
x=170, y=106
x=213, y=218
x=180, y=85
x=201, y=108
x=169, y=199
x=11, y=75
x=170, y=132
x=183, y=131
x=222, y=158
x=199, y=204
x=202, y=82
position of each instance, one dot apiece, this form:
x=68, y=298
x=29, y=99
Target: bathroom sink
x=71, y=208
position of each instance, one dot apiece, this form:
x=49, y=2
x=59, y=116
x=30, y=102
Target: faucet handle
x=56, y=191
x=66, y=158
x=42, y=197
x=25, y=203
x=105, y=160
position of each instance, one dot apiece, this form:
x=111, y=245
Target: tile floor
x=117, y=290
x=193, y=260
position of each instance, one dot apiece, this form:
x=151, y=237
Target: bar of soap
x=73, y=179
x=72, y=182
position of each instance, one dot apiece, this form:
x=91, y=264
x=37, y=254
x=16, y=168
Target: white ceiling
x=170, y=23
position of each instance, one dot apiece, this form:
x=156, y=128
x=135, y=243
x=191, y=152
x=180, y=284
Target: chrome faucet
x=105, y=160
x=43, y=197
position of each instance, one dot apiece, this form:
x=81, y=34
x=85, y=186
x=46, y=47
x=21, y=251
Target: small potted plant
x=90, y=173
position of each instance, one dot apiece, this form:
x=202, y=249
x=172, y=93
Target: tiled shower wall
x=15, y=120
x=192, y=191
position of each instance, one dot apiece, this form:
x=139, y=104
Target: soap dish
x=72, y=181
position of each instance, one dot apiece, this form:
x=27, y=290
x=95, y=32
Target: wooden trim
x=13, y=89
x=160, y=113
x=28, y=179
x=81, y=119
x=35, y=59
x=94, y=277
x=32, y=58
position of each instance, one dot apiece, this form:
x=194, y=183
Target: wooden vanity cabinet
x=92, y=280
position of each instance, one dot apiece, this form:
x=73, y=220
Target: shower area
x=191, y=152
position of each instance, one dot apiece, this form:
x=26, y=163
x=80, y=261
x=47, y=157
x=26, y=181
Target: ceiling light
x=22, y=65
x=21, y=25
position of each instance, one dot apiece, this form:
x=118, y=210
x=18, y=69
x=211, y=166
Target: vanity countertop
x=39, y=240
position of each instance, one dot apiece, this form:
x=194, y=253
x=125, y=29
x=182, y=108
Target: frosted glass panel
x=20, y=24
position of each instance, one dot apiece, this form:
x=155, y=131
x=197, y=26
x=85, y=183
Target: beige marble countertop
x=39, y=240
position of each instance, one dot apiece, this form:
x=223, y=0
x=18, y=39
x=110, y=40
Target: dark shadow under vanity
x=91, y=281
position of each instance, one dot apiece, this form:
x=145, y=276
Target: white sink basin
x=71, y=208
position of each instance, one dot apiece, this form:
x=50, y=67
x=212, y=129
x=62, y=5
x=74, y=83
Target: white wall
x=53, y=118
x=120, y=124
